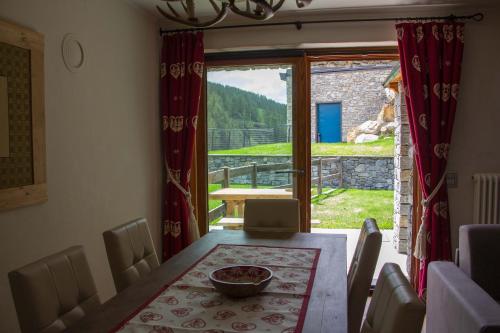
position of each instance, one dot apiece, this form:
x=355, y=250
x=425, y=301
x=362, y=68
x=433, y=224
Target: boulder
x=386, y=114
x=388, y=128
x=388, y=111
x=384, y=125
x=369, y=127
x=352, y=134
x=363, y=138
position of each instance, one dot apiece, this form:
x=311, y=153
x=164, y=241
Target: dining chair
x=131, y=252
x=361, y=271
x=456, y=303
x=395, y=307
x=271, y=215
x=479, y=250
x=55, y=292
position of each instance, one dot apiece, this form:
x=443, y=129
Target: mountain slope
x=230, y=107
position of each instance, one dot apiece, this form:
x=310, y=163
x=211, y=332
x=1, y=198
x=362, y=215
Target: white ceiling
x=204, y=9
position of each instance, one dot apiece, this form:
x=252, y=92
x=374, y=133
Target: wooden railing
x=320, y=179
x=224, y=176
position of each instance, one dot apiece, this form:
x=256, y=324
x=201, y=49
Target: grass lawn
x=381, y=147
x=340, y=208
x=348, y=208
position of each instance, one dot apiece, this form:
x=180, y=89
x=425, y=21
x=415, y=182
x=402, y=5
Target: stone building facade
x=356, y=85
x=403, y=173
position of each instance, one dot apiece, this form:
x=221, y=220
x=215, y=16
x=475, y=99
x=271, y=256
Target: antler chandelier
x=254, y=9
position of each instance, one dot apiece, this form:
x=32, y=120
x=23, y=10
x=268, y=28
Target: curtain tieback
x=194, y=233
x=421, y=240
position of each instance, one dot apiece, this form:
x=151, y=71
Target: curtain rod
x=477, y=17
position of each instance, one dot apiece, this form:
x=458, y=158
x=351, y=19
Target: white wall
x=102, y=123
x=102, y=136
x=475, y=144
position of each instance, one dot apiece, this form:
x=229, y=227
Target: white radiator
x=486, y=198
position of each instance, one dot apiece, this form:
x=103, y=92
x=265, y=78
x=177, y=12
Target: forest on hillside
x=231, y=108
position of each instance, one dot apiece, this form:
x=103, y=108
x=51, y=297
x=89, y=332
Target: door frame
x=302, y=60
x=301, y=142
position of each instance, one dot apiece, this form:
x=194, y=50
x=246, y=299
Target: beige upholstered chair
x=457, y=304
x=131, y=253
x=271, y=215
x=395, y=307
x=479, y=248
x=360, y=274
x=55, y=292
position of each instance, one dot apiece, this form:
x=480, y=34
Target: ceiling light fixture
x=255, y=9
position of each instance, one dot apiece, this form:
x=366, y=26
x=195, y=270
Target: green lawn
x=341, y=208
x=348, y=208
x=381, y=147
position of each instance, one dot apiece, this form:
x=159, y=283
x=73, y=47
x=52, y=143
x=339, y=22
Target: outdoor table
x=235, y=197
x=134, y=309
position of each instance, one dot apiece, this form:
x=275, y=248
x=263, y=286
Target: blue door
x=329, y=122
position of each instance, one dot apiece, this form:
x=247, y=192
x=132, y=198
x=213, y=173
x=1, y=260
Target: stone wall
x=366, y=172
x=361, y=172
x=403, y=171
x=360, y=93
x=216, y=162
x=357, y=85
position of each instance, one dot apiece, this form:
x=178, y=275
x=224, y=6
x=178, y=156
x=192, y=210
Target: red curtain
x=431, y=57
x=182, y=62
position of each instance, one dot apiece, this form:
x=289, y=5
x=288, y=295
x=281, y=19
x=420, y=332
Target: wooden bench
x=236, y=223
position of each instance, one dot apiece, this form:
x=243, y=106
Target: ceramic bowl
x=241, y=280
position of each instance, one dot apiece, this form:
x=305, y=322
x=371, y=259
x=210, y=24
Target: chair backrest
x=55, y=292
x=131, y=252
x=271, y=215
x=455, y=303
x=395, y=307
x=479, y=249
x=359, y=278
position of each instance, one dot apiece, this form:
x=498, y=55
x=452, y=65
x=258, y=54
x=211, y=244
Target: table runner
x=191, y=304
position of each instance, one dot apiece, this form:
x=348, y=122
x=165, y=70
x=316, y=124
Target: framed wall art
x=22, y=122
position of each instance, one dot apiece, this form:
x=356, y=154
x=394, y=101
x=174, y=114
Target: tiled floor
x=387, y=252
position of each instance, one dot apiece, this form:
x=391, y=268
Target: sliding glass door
x=252, y=138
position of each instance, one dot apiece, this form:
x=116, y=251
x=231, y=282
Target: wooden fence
x=224, y=175
x=235, y=138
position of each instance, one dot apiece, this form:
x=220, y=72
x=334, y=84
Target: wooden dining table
x=327, y=308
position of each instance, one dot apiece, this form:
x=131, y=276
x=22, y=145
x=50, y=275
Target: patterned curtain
x=182, y=62
x=431, y=57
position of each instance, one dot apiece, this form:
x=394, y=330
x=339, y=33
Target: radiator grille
x=486, y=198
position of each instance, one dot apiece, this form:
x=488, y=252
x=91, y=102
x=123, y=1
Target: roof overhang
x=393, y=79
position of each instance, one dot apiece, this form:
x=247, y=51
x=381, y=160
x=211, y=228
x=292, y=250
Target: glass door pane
x=352, y=143
x=356, y=146
x=249, y=138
